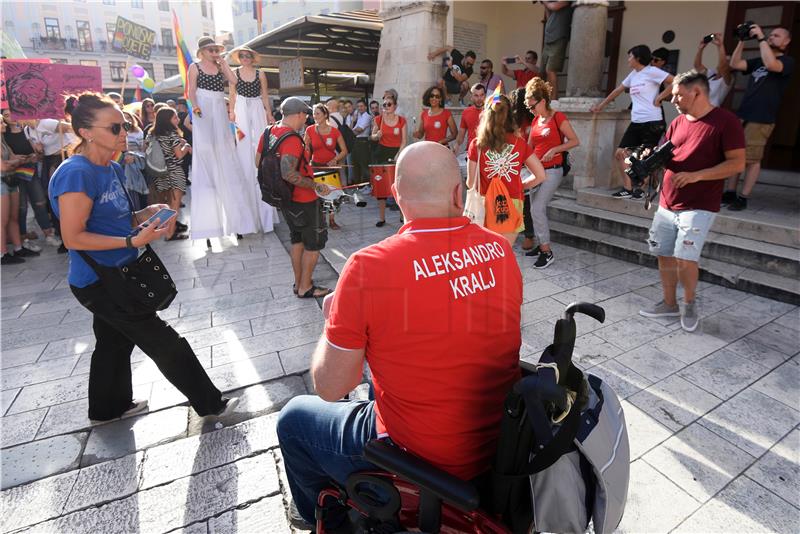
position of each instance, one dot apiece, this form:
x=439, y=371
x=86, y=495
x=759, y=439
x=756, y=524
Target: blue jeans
x=323, y=441
x=32, y=191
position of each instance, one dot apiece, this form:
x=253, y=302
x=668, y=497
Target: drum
x=381, y=177
x=329, y=177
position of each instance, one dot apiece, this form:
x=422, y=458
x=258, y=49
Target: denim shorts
x=6, y=189
x=680, y=233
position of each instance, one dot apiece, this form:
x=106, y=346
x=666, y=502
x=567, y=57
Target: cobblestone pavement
x=712, y=416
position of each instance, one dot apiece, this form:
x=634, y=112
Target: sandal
x=178, y=237
x=334, y=226
x=310, y=294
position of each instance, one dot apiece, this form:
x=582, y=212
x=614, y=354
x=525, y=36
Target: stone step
x=739, y=251
x=769, y=285
x=779, y=177
x=777, y=224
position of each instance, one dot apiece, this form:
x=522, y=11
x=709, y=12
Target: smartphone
x=163, y=215
x=510, y=60
x=708, y=38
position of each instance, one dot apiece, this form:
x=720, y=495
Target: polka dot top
x=248, y=89
x=209, y=82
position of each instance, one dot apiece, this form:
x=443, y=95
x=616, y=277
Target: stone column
x=593, y=161
x=586, y=48
x=410, y=31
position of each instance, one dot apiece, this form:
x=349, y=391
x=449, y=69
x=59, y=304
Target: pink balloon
x=137, y=71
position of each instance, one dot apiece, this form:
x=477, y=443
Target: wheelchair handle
x=592, y=310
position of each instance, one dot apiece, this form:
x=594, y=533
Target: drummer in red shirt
x=322, y=141
x=435, y=311
x=389, y=130
x=435, y=123
x=471, y=117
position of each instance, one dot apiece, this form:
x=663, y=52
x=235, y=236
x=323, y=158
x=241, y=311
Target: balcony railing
x=60, y=43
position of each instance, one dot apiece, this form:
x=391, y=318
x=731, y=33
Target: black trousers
x=361, y=157
x=527, y=219
x=116, y=333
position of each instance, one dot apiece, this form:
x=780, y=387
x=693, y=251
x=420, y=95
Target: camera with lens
x=643, y=166
x=742, y=31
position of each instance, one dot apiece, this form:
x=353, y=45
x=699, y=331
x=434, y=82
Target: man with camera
x=708, y=147
x=769, y=78
x=458, y=69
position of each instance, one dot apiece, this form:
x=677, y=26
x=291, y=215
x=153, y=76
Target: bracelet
x=129, y=241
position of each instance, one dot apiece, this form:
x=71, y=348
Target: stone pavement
x=712, y=416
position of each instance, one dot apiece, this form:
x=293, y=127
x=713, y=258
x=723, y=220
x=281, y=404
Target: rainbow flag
x=237, y=132
x=184, y=58
x=26, y=173
x=118, y=156
x=495, y=98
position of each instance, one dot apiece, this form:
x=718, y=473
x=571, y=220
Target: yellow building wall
x=512, y=28
x=646, y=22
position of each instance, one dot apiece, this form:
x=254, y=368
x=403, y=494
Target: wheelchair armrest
x=449, y=488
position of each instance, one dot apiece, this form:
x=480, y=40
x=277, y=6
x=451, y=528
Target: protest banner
x=35, y=90
x=133, y=39
x=3, y=100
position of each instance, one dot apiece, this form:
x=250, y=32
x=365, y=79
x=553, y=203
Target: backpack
x=555, y=475
x=155, y=162
x=275, y=191
x=501, y=214
x=347, y=133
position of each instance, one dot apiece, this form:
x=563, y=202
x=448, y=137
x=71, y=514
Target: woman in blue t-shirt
x=87, y=195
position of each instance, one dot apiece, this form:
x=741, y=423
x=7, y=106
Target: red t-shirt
x=699, y=145
x=435, y=127
x=292, y=147
x=470, y=119
x=523, y=76
x=323, y=147
x=437, y=308
x=506, y=164
x=392, y=135
x=545, y=136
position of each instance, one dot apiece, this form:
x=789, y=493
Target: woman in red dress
x=436, y=123
x=322, y=141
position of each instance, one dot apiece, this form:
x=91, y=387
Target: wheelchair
x=407, y=493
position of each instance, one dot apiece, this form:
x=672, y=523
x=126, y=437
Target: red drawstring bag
x=502, y=215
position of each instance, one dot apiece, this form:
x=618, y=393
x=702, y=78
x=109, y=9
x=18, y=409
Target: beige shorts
x=553, y=55
x=756, y=136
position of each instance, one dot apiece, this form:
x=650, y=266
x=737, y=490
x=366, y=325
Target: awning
x=344, y=42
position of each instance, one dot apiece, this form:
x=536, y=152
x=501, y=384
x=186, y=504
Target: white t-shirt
x=53, y=141
x=717, y=88
x=338, y=117
x=644, y=90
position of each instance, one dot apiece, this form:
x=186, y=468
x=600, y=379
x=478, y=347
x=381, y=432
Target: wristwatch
x=129, y=241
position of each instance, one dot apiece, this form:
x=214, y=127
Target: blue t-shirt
x=110, y=215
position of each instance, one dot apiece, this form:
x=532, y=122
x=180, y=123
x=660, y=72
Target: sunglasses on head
x=117, y=127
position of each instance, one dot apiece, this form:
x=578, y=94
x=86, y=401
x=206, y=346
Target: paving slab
x=698, y=461
x=267, y=515
x=105, y=482
x=50, y=393
x=752, y=421
x=778, y=470
x=650, y=362
x=655, y=503
x=753, y=349
x=35, y=373
x=7, y=397
x=744, y=507
x=674, y=402
x=21, y=356
x=623, y=380
x=723, y=373
x=21, y=427
x=688, y=347
x=644, y=432
x=631, y=333
x=782, y=384
x=38, y=459
x=119, y=438
x=35, y=502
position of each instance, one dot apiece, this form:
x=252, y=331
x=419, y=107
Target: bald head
x=427, y=181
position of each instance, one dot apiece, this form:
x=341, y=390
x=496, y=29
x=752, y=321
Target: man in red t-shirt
x=471, y=117
x=709, y=147
x=524, y=75
x=307, y=230
x=435, y=311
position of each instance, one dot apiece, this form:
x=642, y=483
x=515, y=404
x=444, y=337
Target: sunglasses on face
x=388, y=104
x=117, y=127
x=434, y=95
x=245, y=56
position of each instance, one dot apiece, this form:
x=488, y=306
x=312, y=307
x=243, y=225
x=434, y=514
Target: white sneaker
x=52, y=240
x=230, y=406
x=31, y=246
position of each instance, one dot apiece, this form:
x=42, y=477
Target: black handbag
x=140, y=287
x=565, y=166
